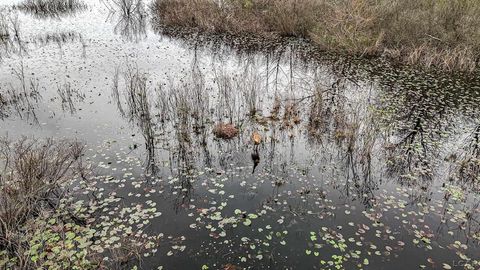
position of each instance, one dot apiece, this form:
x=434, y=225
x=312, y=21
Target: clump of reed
x=431, y=33
x=50, y=8
x=187, y=104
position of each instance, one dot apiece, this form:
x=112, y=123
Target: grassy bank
x=431, y=33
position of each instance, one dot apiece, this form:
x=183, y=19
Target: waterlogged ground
x=362, y=166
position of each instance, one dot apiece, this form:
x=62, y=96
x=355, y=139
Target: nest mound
x=225, y=131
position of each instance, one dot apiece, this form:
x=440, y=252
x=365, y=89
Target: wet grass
x=441, y=34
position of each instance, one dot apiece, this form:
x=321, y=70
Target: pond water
x=361, y=165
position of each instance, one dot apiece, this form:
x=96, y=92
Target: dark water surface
x=362, y=166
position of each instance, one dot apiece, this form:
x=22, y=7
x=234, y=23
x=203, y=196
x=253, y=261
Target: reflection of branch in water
x=138, y=109
x=468, y=226
x=359, y=140
x=410, y=155
x=182, y=200
x=421, y=112
x=182, y=157
x=130, y=16
x=466, y=168
x=116, y=93
x=206, y=152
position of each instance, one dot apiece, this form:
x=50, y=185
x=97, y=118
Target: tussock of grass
x=438, y=33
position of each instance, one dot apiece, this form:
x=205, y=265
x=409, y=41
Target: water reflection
x=329, y=141
x=138, y=108
x=255, y=158
x=130, y=18
x=358, y=127
x=465, y=166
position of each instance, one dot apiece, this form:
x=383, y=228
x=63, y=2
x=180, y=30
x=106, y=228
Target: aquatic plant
x=69, y=97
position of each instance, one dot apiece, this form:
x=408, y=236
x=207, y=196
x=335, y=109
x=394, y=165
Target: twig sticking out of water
x=21, y=99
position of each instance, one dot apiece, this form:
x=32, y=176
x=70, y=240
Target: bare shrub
x=34, y=177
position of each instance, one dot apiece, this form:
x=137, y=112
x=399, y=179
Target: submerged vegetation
x=444, y=34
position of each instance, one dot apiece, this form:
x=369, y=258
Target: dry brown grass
x=438, y=33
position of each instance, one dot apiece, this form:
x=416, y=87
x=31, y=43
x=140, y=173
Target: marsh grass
x=443, y=34
x=50, y=8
